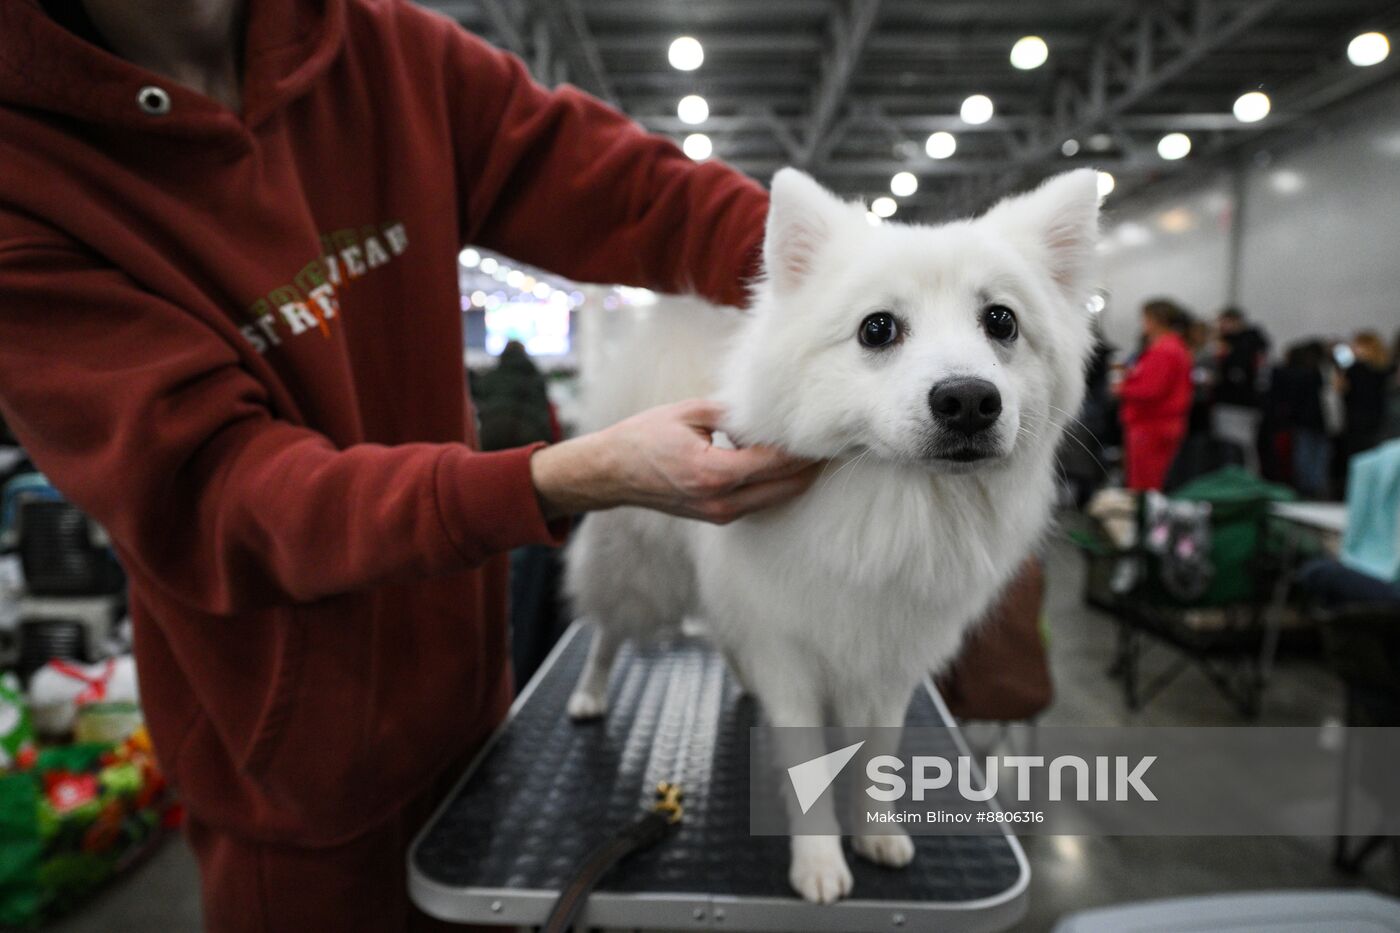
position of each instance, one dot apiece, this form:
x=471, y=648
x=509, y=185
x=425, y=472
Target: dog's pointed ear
x=802, y=217
x=1058, y=225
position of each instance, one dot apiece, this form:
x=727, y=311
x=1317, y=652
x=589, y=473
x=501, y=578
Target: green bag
x=21, y=895
x=1239, y=504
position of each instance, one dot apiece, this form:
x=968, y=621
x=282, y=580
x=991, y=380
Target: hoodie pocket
x=279, y=705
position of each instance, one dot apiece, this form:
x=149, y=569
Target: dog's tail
x=642, y=356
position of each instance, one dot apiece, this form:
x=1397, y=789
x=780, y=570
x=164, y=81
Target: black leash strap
x=646, y=832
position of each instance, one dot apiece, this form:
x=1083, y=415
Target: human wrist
x=570, y=477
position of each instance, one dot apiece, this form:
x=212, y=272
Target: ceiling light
x=883, y=207
x=904, y=184
x=1369, y=48
x=686, y=54
x=1286, y=181
x=941, y=145
x=1100, y=142
x=1174, y=146
x=1070, y=147
x=1176, y=220
x=693, y=110
x=469, y=258
x=1252, y=107
x=488, y=265
x=1106, y=183
x=1133, y=234
x=977, y=109
x=1029, y=52
x=698, y=146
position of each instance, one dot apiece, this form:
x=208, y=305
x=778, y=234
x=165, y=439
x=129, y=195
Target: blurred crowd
x=1198, y=393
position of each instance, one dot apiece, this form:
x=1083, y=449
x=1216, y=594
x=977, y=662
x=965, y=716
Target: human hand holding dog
x=665, y=459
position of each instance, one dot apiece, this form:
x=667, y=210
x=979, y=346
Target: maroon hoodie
x=236, y=341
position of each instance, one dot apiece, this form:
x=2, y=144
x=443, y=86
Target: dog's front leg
x=590, y=697
x=818, y=869
x=883, y=717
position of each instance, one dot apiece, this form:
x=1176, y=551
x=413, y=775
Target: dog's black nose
x=965, y=405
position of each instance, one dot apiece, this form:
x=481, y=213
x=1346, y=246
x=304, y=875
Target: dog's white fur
x=833, y=608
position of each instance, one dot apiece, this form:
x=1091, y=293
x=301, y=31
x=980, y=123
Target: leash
x=645, y=832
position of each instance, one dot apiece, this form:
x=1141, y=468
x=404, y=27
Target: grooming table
x=545, y=790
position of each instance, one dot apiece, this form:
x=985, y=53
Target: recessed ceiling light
x=1106, y=184
x=686, y=53
x=904, y=184
x=1252, y=107
x=1174, y=146
x=1029, y=52
x=1369, y=48
x=1070, y=147
x=977, y=109
x=941, y=145
x=693, y=109
x=883, y=207
x=698, y=146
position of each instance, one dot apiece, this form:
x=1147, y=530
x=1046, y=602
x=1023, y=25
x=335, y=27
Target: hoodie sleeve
x=145, y=417
x=563, y=181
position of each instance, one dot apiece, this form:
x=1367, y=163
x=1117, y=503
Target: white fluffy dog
x=935, y=367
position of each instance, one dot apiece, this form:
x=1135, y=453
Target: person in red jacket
x=230, y=331
x=1155, y=398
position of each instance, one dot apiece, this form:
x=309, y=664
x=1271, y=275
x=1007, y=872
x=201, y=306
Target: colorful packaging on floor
x=71, y=817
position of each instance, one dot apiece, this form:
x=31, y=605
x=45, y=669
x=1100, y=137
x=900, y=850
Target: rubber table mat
x=546, y=790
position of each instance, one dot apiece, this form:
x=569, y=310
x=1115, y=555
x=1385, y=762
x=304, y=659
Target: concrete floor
x=1067, y=872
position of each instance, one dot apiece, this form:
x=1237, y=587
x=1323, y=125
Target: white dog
x=935, y=367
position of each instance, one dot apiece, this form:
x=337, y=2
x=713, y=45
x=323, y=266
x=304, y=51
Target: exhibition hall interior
x=1198, y=557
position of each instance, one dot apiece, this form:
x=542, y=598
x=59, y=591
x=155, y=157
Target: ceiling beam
x=862, y=115
x=849, y=31
x=1302, y=101
x=1139, y=52
x=504, y=22
x=571, y=26
x=879, y=170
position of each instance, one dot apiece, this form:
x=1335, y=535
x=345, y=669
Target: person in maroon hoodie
x=230, y=331
x=1155, y=398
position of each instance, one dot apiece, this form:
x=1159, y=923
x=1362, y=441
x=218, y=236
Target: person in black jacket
x=512, y=401
x=1241, y=351
x=1295, y=393
x=1364, y=396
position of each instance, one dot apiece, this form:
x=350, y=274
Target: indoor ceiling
x=851, y=90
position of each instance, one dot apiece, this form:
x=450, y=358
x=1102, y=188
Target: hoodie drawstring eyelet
x=153, y=101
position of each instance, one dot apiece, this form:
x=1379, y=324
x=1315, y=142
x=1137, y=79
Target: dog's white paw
x=895, y=850
x=819, y=871
x=585, y=705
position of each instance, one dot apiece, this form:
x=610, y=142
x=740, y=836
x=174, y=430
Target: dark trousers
x=1332, y=584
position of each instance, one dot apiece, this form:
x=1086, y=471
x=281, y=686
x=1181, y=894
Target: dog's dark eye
x=879, y=330
x=1000, y=322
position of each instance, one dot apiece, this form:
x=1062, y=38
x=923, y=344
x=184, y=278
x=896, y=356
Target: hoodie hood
x=43, y=67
